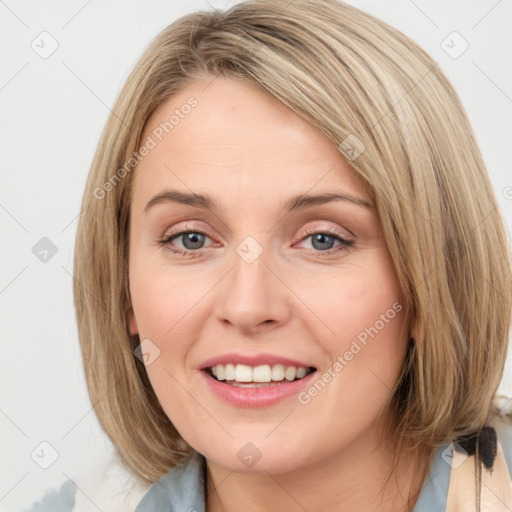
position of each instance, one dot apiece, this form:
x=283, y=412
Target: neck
x=351, y=479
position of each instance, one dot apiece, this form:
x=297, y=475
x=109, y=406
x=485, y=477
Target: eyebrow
x=295, y=203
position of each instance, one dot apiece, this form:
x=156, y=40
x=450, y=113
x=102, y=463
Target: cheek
x=165, y=315
x=355, y=300
x=160, y=307
x=164, y=302
x=363, y=314
x=167, y=307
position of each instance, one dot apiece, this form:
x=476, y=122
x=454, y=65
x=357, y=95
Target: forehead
x=236, y=140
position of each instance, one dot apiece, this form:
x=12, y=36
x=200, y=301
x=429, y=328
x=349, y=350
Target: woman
x=292, y=279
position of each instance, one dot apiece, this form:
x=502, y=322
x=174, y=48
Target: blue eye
x=323, y=242
x=192, y=242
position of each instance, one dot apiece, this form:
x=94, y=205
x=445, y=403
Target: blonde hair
x=365, y=85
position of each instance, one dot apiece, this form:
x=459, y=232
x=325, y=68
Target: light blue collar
x=434, y=491
x=182, y=489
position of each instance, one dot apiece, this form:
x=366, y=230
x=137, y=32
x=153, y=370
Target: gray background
x=53, y=110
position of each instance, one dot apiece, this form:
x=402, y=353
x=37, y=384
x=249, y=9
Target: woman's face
x=242, y=265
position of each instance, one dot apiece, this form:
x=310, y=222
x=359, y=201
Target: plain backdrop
x=53, y=109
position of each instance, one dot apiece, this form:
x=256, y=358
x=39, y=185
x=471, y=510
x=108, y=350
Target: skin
x=250, y=153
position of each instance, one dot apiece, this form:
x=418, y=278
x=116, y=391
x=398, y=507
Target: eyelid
x=341, y=232
x=191, y=226
x=188, y=226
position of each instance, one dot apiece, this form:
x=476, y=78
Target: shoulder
x=503, y=427
x=182, y=488
x=110, y=487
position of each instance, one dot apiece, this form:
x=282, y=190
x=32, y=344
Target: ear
x=132, y=323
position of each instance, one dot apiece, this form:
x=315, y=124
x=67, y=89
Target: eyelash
x=165, y=241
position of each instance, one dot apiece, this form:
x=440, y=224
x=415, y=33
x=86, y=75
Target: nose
x=253, y=297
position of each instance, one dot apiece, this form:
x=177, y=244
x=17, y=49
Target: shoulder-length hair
x=391, y=111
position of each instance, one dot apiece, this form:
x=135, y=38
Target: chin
x=255, y=457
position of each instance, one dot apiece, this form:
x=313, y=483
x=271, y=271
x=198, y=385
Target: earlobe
x=132, y=322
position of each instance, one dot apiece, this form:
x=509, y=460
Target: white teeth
x=243, y=373
x=290, y=373
x=221, y=372
x=262, y=373
x=230, y=372
x=301, y=372
x=277, y=372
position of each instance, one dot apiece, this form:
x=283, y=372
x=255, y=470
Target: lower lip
x=256, y=397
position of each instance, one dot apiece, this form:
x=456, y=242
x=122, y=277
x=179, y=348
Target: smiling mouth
x=241, y=375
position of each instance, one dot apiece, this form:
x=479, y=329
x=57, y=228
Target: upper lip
x=252, y=360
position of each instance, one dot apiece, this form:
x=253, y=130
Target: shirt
x=182, y=489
